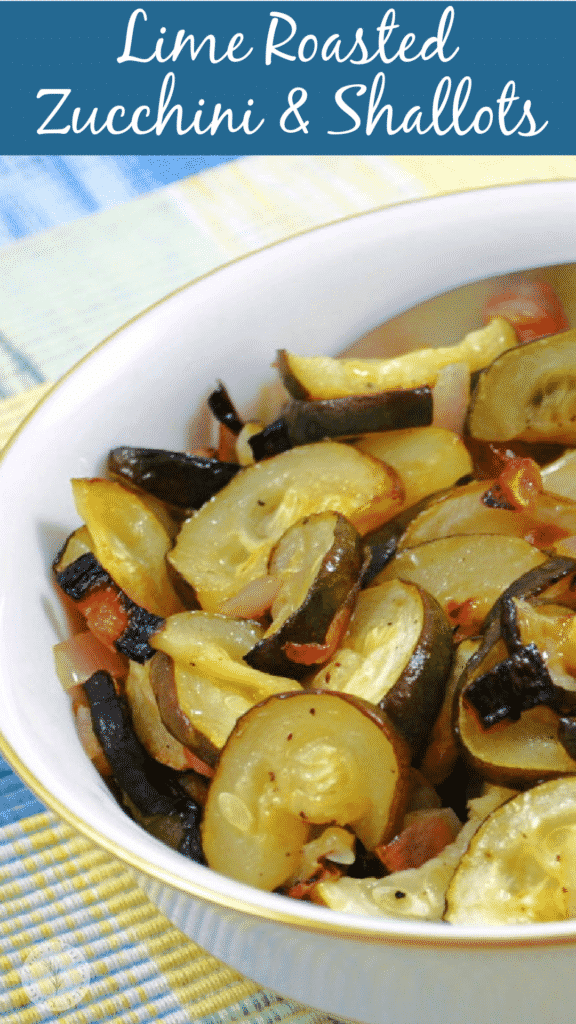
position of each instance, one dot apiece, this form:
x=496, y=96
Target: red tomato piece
x=303, y=889
x=423, y=839
x=521, y=483
x=532, y=307
x=104, y=614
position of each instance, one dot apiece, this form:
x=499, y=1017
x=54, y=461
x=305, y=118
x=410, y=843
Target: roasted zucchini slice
x=215, y=645
x=183, y=481
x=383, y=543
x=513, y=753
x=318, y=562
x=321, y=377
x=427, y=459
x=528, y=393
x=521, y=863
x=443, y=750
x=207, y=640
x=77, y=544
x=552, y=581
x=305, y=422
x=552, y=627
x=540, y=665
x=396, y=654
x=228, y=542
x=148, y=725
x=200, y=681
x=559, y=476
x=155, y=795
x=466, y=574
x=199, y=712
x=467, y=509
x=416, y=892
x=516, y=684
x=299, y=760
x=129, y=541
x=223, y=408
x=109, y=613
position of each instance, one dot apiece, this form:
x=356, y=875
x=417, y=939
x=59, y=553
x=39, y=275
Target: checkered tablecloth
x=86, y=243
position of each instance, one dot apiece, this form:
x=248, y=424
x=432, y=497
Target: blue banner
x=296, y=77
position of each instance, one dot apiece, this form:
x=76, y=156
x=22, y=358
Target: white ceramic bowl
x=315, y=293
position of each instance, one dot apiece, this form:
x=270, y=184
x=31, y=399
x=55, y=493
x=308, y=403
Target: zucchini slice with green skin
x=321, y=377
x=515, y=753
x=443, y=750
x=550, y=626
x=210, y=642
x=319, y=563
x=519, y=866
x=129, y=541
x=295, y=761
x=222, y=407
x=514, y=685
x=465, y=510
x=85, y=581
x=567, y=735
x=197, y=711
x=227, y=543
x=307, y=422
x=200, y=681
x=215, y=645
x=200, y=710
x=384, y=542
x=163, y=806
x=539, y=667
x=528, y=393
x=77, y=543
x=553, y=580
x=396, y=654
x=147, y=723
x=184, y=481
x=466, y=574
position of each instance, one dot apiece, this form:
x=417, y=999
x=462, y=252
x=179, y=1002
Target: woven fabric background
x=85, y=244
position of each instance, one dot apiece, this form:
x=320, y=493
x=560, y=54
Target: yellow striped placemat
x=15, y=409
x=63, y=290
x=80, y=943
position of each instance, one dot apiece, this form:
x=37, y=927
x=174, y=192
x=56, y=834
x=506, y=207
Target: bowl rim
x=322, y=920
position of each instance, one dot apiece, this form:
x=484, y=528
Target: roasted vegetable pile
x=335, y=655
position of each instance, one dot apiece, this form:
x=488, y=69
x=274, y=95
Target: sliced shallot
x=79, y=657
x=253, y=600
x=450, y=395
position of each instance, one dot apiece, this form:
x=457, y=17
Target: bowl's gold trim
x=339, y=927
